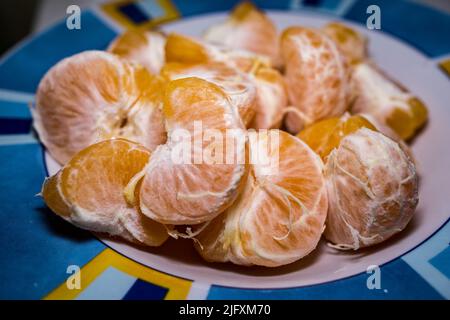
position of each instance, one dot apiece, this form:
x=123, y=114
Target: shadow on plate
x=56, y=226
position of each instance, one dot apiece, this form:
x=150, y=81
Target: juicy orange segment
x=249, y=29
x=317, y=77
x=184, y=49
x=53, y=198
x=387, y=101
x=372, y=190
x=196, y=188
x=326, y=135
x=187, y=50
x=271, y=99
x=405, y=123
x=89, y=192
x=280, y=215
x=93, y=96
x=144, y=47
x=350, y=42
x=237, y=85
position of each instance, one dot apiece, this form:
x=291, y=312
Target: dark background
x=16, y=21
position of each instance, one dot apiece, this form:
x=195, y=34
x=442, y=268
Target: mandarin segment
x=271, y=99
x=94, y=96
x=194, y=189
x=249, y=29
x=140, y=227
x=183, y=49
x=391, y=134
x=317, y=77
x=326, y=135
x=237, y=85
x=143, y=47
x=279, y=217
x=52, y=196
x=387, y=101
x=89, y=192
x=373, y=92
x=372, y=190
x=350, y=42
x=188, y=50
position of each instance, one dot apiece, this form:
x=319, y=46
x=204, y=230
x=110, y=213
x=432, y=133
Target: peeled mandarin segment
x=140, y=227
x=143, y=47
x=237, y=85
x=247, y=28
x=387, y=101
x=243, y=60
x=372, y=190
x=280, y=215
x=52, y=196
x=143, y=230
x=405, y=123
x=271, y=99
x=388, y=132
x=184, y=49
x=93, y=96
x=317, y=135
x=194, y=189
x=326, y=135
x=317, y=77
x=187, y=50
x=89, y=191
x=350, y=42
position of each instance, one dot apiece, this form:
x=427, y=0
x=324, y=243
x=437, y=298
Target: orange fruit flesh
x=124, y=44
x=242, y=11
x=87, y=169
x=144, y=47
x=199, y=52
x=317, y=77
x=351, y=43
x=326, y=135
x=183, y=49
x=53, y=198
x=372, y=190
x=89, y=191
x=196, y=189
x=271, y=99
x=249, y=29
x=237, y=85
x=94, y=96
x=279, y=217
x=405, y=123
x=387, y=101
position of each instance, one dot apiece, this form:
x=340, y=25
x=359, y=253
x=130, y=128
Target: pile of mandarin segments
x=142, y=134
